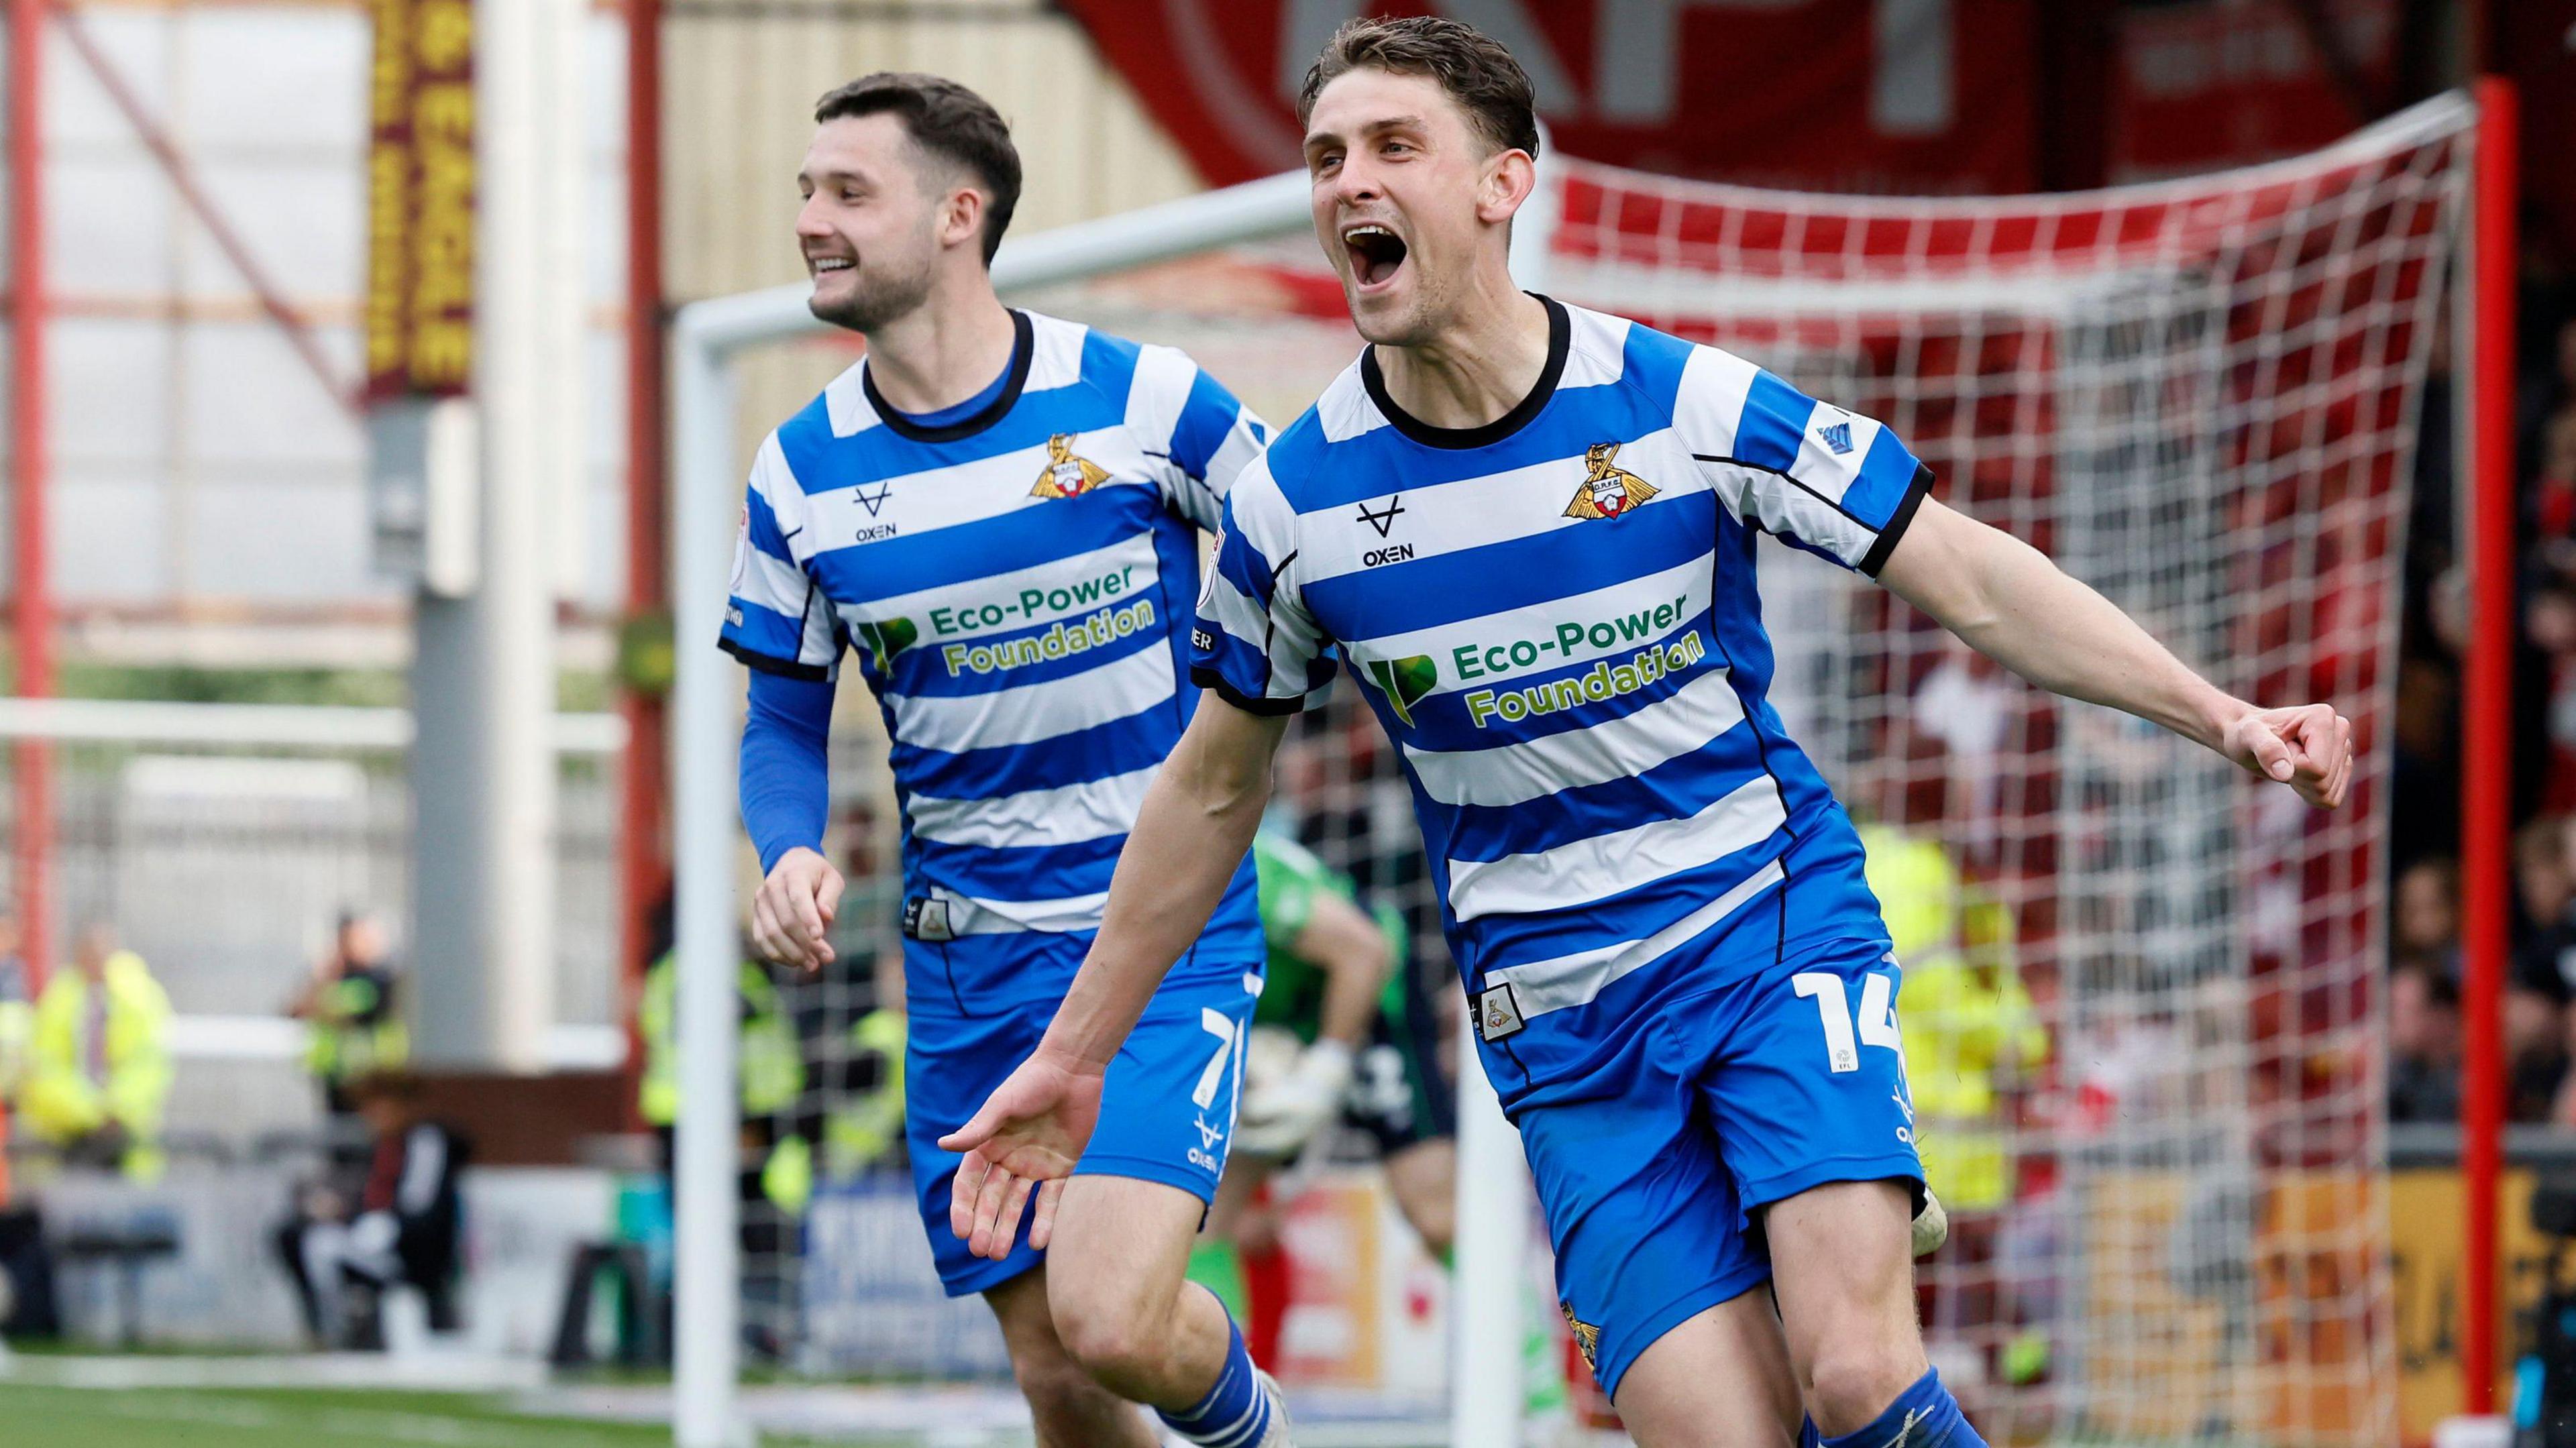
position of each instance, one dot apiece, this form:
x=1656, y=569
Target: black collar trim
x=1022, y=351
x=1560, y=333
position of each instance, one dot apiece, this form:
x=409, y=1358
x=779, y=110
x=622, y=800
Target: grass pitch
x=51, y=1417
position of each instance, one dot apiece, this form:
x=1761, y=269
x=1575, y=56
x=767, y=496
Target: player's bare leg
x=1423, y=1178
x=1233, y=1204
x=1719, y=1380
x=1842, y=1264
x=1069, y=1408
x=1121, y=1306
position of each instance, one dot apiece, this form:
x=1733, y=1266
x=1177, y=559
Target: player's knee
x=1851, y=1380
x=1060, y=1394
x=1114, y=1344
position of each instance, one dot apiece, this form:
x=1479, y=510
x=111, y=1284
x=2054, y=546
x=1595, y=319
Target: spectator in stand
x=403, y=1225
x=2425, y=914
x=352, y=1012
x=98, y=1068
x=17, y=1008
x=2423, y=1045
x=2538, y=993
x=1974, y=710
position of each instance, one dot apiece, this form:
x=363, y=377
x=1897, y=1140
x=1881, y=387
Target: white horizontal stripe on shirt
x=1544, y=882
x=1500, y=507
x=1065, y=815
x=1131, y=559
x=1031, y=712
x=1573, y=980
x=1685, y=584
x=1621, y=748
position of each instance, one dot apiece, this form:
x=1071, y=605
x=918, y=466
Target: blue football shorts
x=1720, y=1101
x=1166, y=1109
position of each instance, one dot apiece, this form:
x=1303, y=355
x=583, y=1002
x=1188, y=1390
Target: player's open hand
x=1027, y=1136
x=2308, y=748
x=791, y=917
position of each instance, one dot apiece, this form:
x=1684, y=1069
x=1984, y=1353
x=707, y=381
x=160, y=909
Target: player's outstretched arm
x=1191, y=833
x=2010, y=603
x=1348, y=943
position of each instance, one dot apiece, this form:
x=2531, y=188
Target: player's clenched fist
x=791, y=917
x=2308, y=748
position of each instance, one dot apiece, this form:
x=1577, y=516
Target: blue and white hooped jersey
x=1016, y=586
x=1555, y=618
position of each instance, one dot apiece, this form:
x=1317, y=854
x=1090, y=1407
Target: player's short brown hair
x=945, y=120
x=1473, y=67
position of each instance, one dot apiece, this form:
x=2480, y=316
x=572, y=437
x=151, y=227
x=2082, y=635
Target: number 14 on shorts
x=1876, y=1025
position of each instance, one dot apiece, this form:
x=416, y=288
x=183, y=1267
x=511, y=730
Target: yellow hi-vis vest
x=341, y=1045
x=860, y=1130
x=1968, y=1031
x=771, y=1068
x=64, y=1098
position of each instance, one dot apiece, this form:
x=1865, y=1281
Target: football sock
x=1235, y=1411
x=1923, y=1416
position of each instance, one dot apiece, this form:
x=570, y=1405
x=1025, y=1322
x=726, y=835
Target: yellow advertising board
x=2426, y=1253
x=420, y=200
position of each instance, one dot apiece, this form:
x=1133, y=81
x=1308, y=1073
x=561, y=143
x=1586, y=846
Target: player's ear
x=1510, y=177
x=961, y=217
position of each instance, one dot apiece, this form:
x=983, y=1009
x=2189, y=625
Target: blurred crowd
x=2424, y=827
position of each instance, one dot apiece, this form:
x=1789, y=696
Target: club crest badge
x=1608, y=491
x=1067, y=475
x=1586, y=1336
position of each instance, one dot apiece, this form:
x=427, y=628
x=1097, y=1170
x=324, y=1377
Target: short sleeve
x=1201, y=434
x=1255, y=644
x=1828, y=481
x=776, y=620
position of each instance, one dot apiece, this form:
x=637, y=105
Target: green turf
x=37, y=1417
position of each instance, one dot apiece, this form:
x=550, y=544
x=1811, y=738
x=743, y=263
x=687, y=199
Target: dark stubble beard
x=875, y=299
x=1418, y=323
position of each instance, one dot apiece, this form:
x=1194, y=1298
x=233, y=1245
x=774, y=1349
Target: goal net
x=2141, y=995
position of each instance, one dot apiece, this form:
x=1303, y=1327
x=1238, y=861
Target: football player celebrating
x=1681, y=985
x=1003, y=511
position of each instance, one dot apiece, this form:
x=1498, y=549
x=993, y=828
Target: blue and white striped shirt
x=1555, y=618
x=1016, y=585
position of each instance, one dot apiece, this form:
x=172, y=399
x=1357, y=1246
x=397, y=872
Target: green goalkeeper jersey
x=1291, y=879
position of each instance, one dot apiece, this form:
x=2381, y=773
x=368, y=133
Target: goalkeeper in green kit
x=1344, y=1032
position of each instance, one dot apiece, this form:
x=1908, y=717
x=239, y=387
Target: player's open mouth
x=822, y=265
x=1376, y=254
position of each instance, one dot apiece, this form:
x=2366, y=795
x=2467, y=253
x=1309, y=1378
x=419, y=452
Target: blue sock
x=1235, y=1412
x=1923, y=1416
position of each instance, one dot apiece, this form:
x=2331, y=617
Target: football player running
x=1002, y=510
x=1682, y=988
